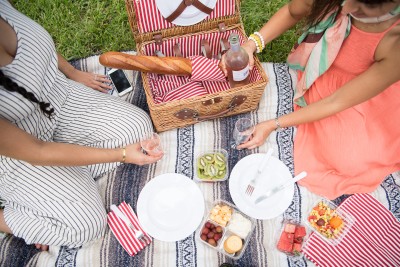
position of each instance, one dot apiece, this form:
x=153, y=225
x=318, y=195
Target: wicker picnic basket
x=183, y=112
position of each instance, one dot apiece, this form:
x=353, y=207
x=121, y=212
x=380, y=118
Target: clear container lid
x=291, y=238
x=329, y=221
x=236, y=231
x=211, y=166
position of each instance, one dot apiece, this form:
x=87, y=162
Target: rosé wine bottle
x=237, y=63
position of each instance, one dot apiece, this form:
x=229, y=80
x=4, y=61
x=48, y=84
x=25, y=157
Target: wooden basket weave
x=180, y=113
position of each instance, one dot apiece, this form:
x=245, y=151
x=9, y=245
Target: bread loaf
x=160, y=65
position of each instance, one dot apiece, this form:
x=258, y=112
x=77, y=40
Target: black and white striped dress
x=58, y=205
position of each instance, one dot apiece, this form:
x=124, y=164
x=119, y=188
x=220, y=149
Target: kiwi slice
x=221, y=166
x=201, y=163
x=211, y=170
x=219, y=158
x=220, y=174
x=209, y=158
x=201, y=174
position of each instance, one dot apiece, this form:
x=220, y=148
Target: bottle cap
x=233, y=38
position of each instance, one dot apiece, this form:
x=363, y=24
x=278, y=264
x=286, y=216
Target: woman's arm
x=373, y=81
x=16, y=143
x=95, y=81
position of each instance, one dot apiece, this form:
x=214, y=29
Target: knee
x=88, y=224
x=135, y=124
x=141, y=119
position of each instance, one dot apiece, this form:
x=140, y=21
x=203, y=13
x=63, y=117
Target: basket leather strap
x=177, y=50
x=187, y=113
x=205, y=48
x=184, y=4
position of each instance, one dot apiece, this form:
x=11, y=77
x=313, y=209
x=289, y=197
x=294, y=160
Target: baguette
x=160, y=65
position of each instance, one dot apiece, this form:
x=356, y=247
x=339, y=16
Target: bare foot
x=3, y=226
x=42, y=247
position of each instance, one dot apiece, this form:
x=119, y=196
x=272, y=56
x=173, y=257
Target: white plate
x=274, y=174
x=191, y=15
x=170, y=207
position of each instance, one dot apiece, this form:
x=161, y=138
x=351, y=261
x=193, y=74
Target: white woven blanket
x=125, y=183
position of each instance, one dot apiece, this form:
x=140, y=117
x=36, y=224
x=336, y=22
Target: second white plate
x=170, y=207
x=274, y=174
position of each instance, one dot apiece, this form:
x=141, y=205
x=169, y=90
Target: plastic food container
x=211, y=166
x=328, y=221
x=291, y=239
x=233, y=229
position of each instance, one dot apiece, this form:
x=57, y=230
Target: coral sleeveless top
x=354, y=150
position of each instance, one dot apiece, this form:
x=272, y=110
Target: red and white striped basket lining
x=162, y=85
x=149, y=19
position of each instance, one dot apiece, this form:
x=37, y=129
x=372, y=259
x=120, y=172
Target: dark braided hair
x=12, y=86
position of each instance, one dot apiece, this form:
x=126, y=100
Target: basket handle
x=193, y=114
x=184, y=4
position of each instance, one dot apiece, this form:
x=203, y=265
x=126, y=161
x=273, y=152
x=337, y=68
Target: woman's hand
x=249, y=47
x=96, y=81
x=135, y=155
x=262, y=131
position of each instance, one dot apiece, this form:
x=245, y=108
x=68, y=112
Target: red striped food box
x=373, y=240
x=123, y=233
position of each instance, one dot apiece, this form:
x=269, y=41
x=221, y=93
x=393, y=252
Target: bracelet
x=251, y=37
x=261, y=40
x=123, y=154
x=278, y=125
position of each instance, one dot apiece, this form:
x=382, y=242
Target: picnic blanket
x=182, y=145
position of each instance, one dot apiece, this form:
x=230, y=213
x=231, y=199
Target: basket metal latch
x=186, y=113
x=158, y=39
x=236, y=101
x=222, y=27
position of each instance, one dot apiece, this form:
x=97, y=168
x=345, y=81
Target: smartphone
x=120, y=81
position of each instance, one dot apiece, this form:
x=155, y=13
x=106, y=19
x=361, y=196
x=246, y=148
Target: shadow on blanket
x=125, y=183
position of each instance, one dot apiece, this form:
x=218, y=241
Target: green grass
x=87, y=27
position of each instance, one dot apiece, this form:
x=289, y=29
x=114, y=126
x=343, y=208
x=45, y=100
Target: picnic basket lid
x=147, y=23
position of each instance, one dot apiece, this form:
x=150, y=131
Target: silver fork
x=253, y=182
x=138, y=234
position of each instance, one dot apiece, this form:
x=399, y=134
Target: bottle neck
x=235, y=46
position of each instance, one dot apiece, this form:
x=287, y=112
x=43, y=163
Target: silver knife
x=278, y=188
